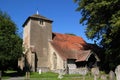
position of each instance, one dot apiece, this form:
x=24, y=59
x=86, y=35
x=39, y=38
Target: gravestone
x=111, y=75
x=60, y=76
x=95, y=72
x=103, y=77
x=117, y=72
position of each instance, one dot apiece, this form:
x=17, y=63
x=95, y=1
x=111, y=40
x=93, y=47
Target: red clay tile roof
x=70, y=47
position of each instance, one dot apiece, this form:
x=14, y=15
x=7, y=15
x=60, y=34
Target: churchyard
x=95, y=74
x=53, y=76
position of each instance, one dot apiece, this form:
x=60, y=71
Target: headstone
x=117, y=72
x=111, y=75
x=60, y=76
x=103, y=77
x=95, y=72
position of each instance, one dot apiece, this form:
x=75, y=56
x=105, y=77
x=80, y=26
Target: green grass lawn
x=49, y=76
x=54, y=76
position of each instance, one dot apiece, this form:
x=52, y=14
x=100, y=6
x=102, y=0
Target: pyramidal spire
x=37, y=12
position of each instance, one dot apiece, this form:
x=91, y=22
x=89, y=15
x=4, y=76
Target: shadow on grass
x=13, y=74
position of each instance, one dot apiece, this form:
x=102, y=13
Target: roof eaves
x=35, y=17
x=26, y=22
x=85, y=58
x=88, y=55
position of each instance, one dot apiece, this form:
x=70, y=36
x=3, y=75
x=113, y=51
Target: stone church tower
x=37, y=34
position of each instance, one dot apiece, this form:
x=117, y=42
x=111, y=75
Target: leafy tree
x=102, y=18
x=70, y=34
x=10, y=42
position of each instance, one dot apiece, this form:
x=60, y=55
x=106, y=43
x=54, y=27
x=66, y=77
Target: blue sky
x=62, y=12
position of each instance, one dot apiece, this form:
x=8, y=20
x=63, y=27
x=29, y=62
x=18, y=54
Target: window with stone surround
x=41, y=22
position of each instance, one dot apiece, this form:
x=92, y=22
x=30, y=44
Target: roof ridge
x=40, y=16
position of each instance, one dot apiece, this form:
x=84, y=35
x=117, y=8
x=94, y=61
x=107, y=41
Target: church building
x=48, y=51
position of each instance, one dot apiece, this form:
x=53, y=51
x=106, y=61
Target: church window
x=41, y=22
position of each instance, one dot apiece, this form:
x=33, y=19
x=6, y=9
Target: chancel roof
x=70, y=47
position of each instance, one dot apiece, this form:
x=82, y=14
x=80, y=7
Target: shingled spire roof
x=37, y=16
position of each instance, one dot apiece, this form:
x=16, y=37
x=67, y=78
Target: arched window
x=54, y=61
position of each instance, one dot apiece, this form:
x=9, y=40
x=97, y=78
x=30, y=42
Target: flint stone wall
x=81, y=71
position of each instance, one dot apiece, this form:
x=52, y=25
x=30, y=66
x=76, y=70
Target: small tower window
x=41, y=22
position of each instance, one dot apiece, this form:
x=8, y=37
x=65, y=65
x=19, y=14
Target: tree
x=10, y=42
x=102, y=18
x=70, y=34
